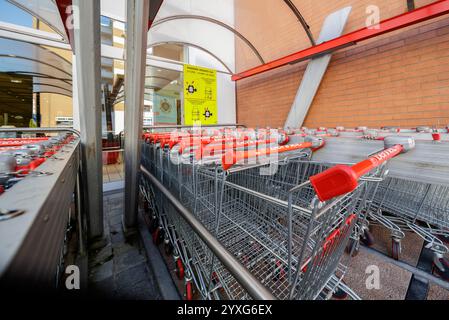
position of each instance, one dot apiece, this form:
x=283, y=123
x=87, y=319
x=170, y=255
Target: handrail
x=247, y=280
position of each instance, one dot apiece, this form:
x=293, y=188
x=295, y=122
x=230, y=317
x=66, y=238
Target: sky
x=11, y=14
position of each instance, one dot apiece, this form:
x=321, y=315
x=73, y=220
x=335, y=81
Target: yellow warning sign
x=200, y=95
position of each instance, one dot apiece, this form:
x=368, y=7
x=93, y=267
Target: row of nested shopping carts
x=285, y=216
x=22, y=156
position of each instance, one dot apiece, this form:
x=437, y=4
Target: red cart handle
x=211, y=149
x=342, y=179
x=332, y=239
x=24, y=139
x=232, y=157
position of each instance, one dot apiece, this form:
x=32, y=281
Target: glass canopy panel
x=201, y=58
x=115, y=9
x=12, y=14
x=160, y=78
x=201, y=34
x=18, y=65
x=43, y=88
x=46, y=11
x=44, y=70
x=175, y=52
x=50, y=85
x=216, y=9
x=271, y=26
x=31, y=58
x=262, y=30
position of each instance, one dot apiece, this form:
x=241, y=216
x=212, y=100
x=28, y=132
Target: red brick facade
x=399, y=79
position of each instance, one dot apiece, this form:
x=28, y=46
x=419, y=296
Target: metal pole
x=247, y=280
x=88, y=75
x=137, y=14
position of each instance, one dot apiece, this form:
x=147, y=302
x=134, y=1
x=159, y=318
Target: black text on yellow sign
x=200, y=95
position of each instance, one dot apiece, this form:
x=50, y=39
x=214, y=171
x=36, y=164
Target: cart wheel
x=395, y=249
x=189, y=291
x=443, y=274
x=445, y=239
x=339, y=294
x=146, y=206
x=367, y=238
x=158, y=235
x=352, y=248
x=280, y=272
x=179, y=269
x=154, y=225
x=168, y=247
x=215, y=279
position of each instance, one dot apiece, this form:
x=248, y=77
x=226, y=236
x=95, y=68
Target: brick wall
x=399, y=79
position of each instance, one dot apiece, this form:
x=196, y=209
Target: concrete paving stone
x=393, y=280
x=117, y=238
x=101, y=272
x=115, y=212
x=106, y=230
x=141, y=291
x=115, y=220
x=437, y=293
x=100, y=256
x=118, y=267
x=121, y=248
x=104, y=288
x=115, y=195
x=116, y=204
x=132, y=276
x=127, y=260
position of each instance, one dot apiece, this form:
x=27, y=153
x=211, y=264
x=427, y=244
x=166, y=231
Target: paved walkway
x=119, y=270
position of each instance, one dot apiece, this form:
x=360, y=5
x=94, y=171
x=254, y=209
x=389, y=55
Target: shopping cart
x=289, y=228
x=419, y=207
x=404, y=204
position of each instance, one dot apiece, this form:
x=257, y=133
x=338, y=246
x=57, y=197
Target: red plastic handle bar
x=436, y=136
x=212, y=149
x=342, y=179
x=189, y=143
x=232, y=157
x=186, y=143
x=333, y=238
x=18, y=142
x=25, y=169
x=155, y=137
x=24, y=139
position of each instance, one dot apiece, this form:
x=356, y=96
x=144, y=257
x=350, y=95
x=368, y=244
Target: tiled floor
x=119, y=269
x=113, y=172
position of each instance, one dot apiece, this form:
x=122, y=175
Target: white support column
x=88, y=71
x=137, y=13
